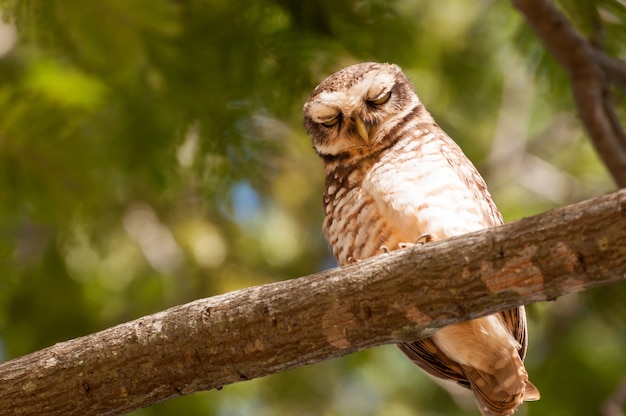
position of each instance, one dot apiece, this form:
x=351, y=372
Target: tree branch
x=254, y=332
x=589, y=72
x=614, y=69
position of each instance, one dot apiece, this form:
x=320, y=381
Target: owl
x=394, y=178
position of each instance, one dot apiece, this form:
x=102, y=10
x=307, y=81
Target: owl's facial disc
x=351, y=112
x=345, y=126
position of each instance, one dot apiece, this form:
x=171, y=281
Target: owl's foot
x=422, y=239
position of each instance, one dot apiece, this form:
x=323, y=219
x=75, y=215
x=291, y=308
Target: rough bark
x=262, y=330
x=590, y=72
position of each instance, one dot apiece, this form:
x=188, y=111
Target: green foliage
x=151, y=153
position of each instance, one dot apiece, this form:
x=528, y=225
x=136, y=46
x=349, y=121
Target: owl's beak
x=361, y=129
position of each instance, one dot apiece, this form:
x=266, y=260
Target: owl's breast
x=354, y=226
x=418, y=187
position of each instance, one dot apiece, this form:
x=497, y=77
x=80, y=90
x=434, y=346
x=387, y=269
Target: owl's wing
x=514, y=319
x=431, y=359
x=472, y=179
x=443, y=193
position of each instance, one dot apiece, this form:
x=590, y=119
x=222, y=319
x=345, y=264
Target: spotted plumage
x=394, y=177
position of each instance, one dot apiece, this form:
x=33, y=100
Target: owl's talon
x=351, y=259
x=385, y=249
x=424, y=238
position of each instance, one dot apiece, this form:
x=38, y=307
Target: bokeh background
x=151, y=153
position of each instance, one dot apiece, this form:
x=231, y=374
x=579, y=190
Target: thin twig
x=614, y=69
x=589, y=78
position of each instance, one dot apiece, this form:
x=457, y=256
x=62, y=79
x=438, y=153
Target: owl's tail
x=500, y=393
x=489, y=357
x=481, y=355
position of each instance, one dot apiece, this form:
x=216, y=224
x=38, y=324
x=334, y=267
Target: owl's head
x=352, y=112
